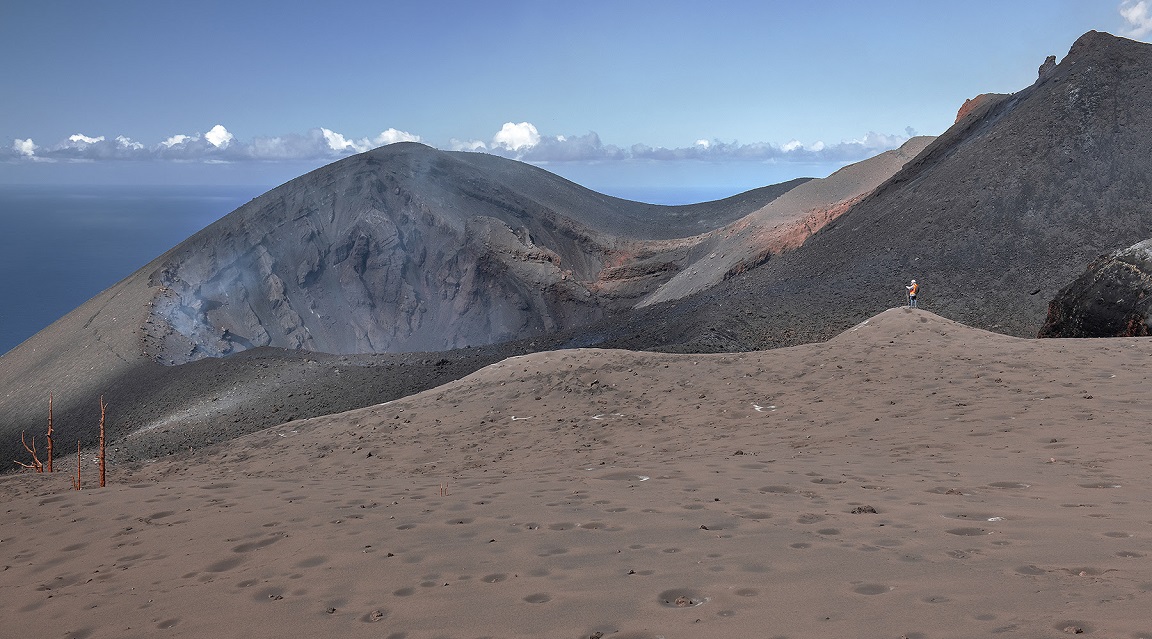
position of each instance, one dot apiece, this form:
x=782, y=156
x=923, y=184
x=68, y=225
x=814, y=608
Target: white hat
x=913, y=281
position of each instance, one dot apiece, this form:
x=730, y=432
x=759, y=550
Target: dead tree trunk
x=76, y=482
x=49, y=461
x=103, y=408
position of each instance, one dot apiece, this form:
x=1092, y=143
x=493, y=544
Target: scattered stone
x=861, y=510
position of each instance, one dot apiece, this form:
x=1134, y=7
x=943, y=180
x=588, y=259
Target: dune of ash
x=910, y=477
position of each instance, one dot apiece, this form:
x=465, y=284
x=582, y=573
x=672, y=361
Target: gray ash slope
x=995, y=217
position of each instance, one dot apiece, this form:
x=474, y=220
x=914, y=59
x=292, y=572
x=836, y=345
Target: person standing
x=913, y=289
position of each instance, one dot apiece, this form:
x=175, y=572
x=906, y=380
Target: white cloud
x=392, y=136
x=219, y=137
x=521, y=141
x=1138, y=15
x=516, y=137
x=337, y=142
x=466, y=145
x=26, y=148
x=179, y=139
x=313, y=145
x=128, y=143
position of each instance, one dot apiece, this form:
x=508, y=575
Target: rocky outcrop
x=1113, y=298
x=972, y=104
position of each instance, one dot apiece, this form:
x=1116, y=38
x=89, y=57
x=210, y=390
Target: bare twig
x=36, y=464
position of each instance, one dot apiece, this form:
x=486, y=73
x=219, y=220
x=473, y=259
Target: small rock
x=861, y=510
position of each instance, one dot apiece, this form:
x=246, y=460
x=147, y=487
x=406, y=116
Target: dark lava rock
x=1113, y=298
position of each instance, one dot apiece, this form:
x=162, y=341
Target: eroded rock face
x=1113, y=298
x=361, y=264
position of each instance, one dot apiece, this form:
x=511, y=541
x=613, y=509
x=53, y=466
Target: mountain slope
x=783, y=224
x=993, y=218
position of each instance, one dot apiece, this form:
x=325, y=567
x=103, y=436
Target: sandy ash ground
x=909, y=478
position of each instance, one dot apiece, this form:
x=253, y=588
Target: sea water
x=61, y=245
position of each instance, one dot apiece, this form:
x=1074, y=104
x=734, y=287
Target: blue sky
x=724, y=94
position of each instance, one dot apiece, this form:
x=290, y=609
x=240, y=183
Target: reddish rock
x=971, y=104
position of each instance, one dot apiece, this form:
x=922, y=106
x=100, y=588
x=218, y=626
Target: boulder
x=1113, y=298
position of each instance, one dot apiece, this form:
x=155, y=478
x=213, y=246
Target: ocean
x=61, y=245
